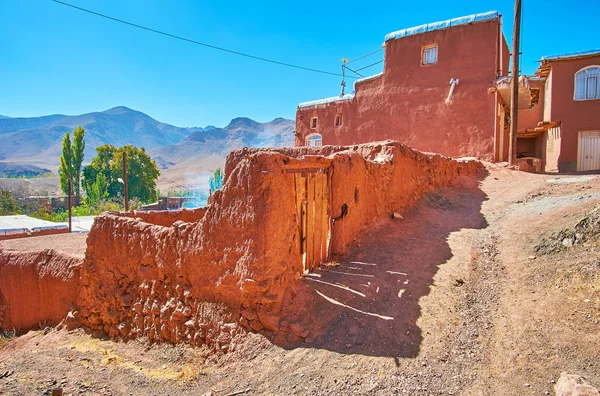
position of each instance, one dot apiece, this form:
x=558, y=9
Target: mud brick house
x=561, y=129
x=445, y=88
x=432, y=95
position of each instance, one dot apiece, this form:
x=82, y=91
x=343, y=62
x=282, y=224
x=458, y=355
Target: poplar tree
x=65, y=169
x=78, y=148
x=70, y=161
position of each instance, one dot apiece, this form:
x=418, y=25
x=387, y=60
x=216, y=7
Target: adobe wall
x=166, y=218
x=37, y=289
x=574, y=115
x=529, y=118
x=205, y=282
x=408, y=101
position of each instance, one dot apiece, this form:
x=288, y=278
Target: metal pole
x=70, y=194
x=125, y=181
x=514, y=99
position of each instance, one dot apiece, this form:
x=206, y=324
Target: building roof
x=326, y=100
x=573, y=55
x=544, y=69
x=338, y=98
x=428, y=27
x=374, y=76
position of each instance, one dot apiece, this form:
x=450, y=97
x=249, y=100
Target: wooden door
x=312, y=207
x=589, y=151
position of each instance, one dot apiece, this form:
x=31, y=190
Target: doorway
x=589, y=151
x=314, y=221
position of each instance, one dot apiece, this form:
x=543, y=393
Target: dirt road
x=452, y=299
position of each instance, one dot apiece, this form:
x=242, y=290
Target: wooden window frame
x=338, y=117
x=313, y=135
x=584, y=70
x=428, y=47
x=315, y=121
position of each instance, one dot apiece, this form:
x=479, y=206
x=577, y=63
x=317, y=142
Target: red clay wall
x=574, y=115
x=407, y=103
x=529, y=118
x=36, y=288
x=196, y=282
x=166, y=218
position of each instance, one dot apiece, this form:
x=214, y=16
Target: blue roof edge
x=429, y=27
x=325, y=101
x=571, y=55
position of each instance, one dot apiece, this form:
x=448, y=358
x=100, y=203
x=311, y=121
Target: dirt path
x=455, y=303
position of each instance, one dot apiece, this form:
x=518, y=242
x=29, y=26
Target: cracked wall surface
x=208, y=275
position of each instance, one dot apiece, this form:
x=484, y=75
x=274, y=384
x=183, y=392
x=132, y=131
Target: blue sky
x=54, y=59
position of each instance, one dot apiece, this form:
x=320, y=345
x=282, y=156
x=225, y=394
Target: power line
x=364, y=56
x=354, y=71
x=372, y=64
x=198, y=42
x=174, y=184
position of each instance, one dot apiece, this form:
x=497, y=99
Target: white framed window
x=338, y=120
x=314, y=140
x=430, y=54
x=587, y=83
x=314, y=123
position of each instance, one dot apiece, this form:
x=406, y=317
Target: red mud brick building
x=572, y=107
x=559, y=115
x=432, y=95
x=445, y=88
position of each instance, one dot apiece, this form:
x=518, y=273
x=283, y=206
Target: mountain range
x=179, y=151
x=241, y=132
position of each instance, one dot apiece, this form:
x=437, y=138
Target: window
x=338, y=120
x=587, y=83
x=429, y=54
x=314, y=140
x=314, y=122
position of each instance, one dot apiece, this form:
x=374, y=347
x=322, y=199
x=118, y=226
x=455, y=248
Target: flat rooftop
x=71, y=244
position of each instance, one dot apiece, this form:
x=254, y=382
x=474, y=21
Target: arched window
x=314, y=140
x=587, y=83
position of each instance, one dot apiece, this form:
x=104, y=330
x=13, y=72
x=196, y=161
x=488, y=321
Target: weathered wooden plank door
x=589, y=151
x=312, y=207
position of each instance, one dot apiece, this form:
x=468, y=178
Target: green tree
x=216, y=180
x=71, y=159
x=8, y=205
x=98, y=191
x=141, y=173
x=65, y=169
x=78, y=148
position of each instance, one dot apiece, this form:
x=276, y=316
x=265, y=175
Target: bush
x=106, y=205
x=8, y=206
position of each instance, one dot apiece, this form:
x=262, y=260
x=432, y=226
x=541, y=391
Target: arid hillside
x=490, y=286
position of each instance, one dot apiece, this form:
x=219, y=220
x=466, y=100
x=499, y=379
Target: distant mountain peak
x=242, y=122
x=119, y=109
x=1, y=116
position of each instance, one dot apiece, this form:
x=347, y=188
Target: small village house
x=445, y=88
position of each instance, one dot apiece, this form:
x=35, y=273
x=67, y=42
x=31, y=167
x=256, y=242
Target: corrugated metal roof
x=428, y=27
x=580, y=54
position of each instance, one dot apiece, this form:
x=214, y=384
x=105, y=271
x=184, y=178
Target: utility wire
x=354, y=71
x=175, y=184
x=364, y=56
x=372, y=64
x=198, y=42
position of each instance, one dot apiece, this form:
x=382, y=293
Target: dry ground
x=475, y=311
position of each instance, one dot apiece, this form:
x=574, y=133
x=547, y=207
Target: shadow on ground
x=369, y=303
